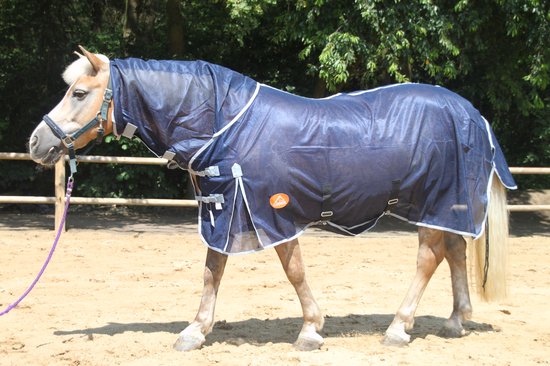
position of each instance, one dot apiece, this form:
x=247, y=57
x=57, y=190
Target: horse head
x=81, y=116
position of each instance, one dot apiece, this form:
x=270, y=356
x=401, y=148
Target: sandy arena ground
x=121, y=287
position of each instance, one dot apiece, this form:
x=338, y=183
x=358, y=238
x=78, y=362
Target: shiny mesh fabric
x=417, y=152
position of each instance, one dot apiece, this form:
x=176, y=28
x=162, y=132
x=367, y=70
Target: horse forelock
x=80, y=67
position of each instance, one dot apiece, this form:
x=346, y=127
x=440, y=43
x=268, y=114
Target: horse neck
x=180, y=105
x=164, y=97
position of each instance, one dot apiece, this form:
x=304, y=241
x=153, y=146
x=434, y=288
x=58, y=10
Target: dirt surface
x=121, y=286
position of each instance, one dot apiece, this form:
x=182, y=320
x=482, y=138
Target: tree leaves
x=496, y=53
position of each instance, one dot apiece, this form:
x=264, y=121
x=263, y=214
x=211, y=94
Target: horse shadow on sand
x=260, y=332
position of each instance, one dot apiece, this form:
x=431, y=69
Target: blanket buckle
x=213, y=198
x=211, y=171
x=393, y=201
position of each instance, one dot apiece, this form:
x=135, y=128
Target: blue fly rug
x=267, y=164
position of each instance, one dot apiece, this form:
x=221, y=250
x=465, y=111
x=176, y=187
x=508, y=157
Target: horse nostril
x=34, y=141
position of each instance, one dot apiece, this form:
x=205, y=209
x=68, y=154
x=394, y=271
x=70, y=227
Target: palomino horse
x=266, y=165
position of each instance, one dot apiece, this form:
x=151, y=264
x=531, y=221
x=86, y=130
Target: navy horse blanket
x=267, y=164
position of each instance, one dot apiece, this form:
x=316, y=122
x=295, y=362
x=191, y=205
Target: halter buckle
x=100, y=128
x=67, y=141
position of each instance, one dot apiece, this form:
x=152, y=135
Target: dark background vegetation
x=496, y=53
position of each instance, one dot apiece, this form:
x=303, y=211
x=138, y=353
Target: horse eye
x=79, y=94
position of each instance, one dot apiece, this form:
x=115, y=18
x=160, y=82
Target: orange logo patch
x=279, y=200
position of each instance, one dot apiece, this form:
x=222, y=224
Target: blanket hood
x=176, y=106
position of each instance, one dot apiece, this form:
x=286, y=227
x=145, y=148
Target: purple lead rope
x=70, y=182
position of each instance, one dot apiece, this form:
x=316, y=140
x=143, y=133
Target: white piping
x=360, y=92
x=209, y=142
x=299, y=96
x=230, y=219
x=488, y=129
x=241, y=185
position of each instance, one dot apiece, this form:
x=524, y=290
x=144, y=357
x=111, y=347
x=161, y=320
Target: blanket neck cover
x=268, y=164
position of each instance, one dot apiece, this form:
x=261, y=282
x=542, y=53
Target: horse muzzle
x=44, y=147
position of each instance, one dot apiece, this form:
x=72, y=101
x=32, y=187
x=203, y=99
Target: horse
x=266, y=165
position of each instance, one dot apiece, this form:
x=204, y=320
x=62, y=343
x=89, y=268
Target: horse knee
x=296, y=275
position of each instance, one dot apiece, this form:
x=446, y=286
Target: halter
x=69, y=139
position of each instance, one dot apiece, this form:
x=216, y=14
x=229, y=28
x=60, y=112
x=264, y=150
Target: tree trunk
x=175, y=29
x=131, y=24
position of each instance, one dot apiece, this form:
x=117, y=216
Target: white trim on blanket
x=217, y=134
x=300, y=96
x=360, y=92
x=488, y=128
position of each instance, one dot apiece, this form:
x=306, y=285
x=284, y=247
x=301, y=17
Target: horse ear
x=96, y=62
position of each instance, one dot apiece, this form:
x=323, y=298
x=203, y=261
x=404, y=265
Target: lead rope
x=70, y=183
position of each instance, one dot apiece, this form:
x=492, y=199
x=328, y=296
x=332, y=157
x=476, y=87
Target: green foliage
x=496, y=53
x=336, y=58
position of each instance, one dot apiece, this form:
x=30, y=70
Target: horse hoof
x=395, y=339
x=188, y=342
x=450, y=332
x=310, y=342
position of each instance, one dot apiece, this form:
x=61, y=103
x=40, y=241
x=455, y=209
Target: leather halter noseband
x=69, y=139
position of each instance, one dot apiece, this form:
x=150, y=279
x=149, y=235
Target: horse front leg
x=291, y=259
x=455, y=254
x=431, y=252
x=193, y=336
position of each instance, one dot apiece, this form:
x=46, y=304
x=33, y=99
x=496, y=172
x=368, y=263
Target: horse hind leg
x=431, y=252
x=291, y=258
x=455, y=254
x=193, y=336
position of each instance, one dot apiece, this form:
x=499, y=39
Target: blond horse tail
x=491, y=271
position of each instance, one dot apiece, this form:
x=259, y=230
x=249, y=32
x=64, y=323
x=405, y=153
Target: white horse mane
x=80, y=67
